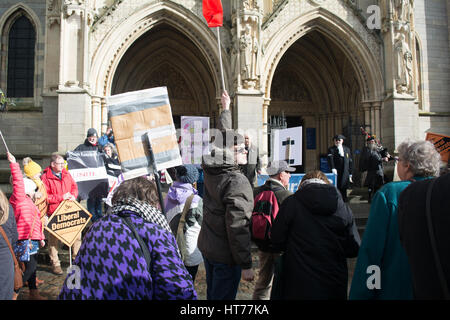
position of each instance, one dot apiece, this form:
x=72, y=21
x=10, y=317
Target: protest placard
x=88, y=170
x=67, y=222
x=194, y=139
x=287, y=145
x=139, y=117
x=441, y=143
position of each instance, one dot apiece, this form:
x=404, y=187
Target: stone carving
x=403, y=10
x=404, y=65
x=54, y=12
x=250, y=5
x=168, y=76
x=249, y=47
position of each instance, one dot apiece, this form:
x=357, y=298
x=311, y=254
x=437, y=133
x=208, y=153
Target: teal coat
x=381, y=247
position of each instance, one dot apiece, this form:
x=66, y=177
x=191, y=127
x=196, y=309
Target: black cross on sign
x=288, y=143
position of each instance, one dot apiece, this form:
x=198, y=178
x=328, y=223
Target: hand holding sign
x=68, y=196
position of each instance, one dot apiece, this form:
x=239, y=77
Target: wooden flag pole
x=157, y=176
x=220, y=58
x=70, y=256
x=4, y=142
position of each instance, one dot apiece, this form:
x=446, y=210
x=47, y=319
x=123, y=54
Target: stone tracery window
x=21, y=56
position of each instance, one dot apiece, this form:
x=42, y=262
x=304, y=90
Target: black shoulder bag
x=127, y=220
x=437, y=260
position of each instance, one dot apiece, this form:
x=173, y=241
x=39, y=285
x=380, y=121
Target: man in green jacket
x=224, y=239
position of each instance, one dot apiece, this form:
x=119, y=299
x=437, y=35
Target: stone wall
x=432, y=27
x=23, y=127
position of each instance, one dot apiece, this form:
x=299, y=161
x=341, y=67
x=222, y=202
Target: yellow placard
x=68, y=220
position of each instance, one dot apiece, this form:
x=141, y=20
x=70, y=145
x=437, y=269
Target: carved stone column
x=104, y=113
x=399, y=117
x=376, y=106
x=323, y=133
x=74, y=100
x=264, y=145
x=367, y=117
x=96, y=114
x=249, y=111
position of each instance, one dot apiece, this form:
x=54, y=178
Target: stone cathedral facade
x=330, y=66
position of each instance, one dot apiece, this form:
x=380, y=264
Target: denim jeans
x=94, y=206
x=222, y=280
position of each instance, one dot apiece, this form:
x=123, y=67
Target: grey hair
x=423, y=157
x=112, y=146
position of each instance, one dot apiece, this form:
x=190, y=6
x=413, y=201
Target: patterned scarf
x=143, y=210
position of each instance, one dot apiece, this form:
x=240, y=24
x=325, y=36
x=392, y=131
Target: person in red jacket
x=29, y=226
x=60, y=186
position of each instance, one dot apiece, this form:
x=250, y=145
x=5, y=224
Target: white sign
x=88, y=174
x=194, y=139
x=287, y=145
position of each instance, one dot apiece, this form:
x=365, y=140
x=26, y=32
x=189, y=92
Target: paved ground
x=52, y=285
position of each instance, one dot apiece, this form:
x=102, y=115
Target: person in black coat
x=317, y=232
x=90, y=143
x=340, y=163
x=253, y=166
x=111, y=160
x=94, y=203
x=415, y=237
x=372, y=161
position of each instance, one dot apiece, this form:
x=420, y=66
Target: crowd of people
x=303, y=239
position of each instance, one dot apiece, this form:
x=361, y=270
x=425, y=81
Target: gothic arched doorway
x=164, y=56
x=315, y=86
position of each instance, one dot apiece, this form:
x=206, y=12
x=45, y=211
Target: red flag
x=213, y=13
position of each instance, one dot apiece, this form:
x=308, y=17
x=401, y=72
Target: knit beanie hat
x=187, y=173
x=31, y=169
x=91, y=132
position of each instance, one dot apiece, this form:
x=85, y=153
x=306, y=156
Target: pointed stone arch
x=365, y=64
x=6, y=21
x=107, y=55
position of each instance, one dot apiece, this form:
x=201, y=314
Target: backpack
x=264, y=213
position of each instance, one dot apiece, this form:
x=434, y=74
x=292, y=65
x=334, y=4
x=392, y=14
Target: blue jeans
x=222, y=280
x=94, y=206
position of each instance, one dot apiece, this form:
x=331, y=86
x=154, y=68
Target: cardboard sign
x=194, y=139
x=67, y=222
x=441, y=143
x=135, y=114
x=287, y=145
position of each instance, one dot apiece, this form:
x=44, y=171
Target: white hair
x=423, y=157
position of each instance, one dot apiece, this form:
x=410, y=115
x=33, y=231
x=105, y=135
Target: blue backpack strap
x=127, y=220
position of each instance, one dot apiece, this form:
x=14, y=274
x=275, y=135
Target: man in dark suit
x=341, y=163
x=253, y=166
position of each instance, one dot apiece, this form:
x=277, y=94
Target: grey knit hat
x=187, y=173
x=92, y=132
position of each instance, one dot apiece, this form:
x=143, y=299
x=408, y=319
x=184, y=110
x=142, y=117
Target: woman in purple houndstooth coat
x=116, y=262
